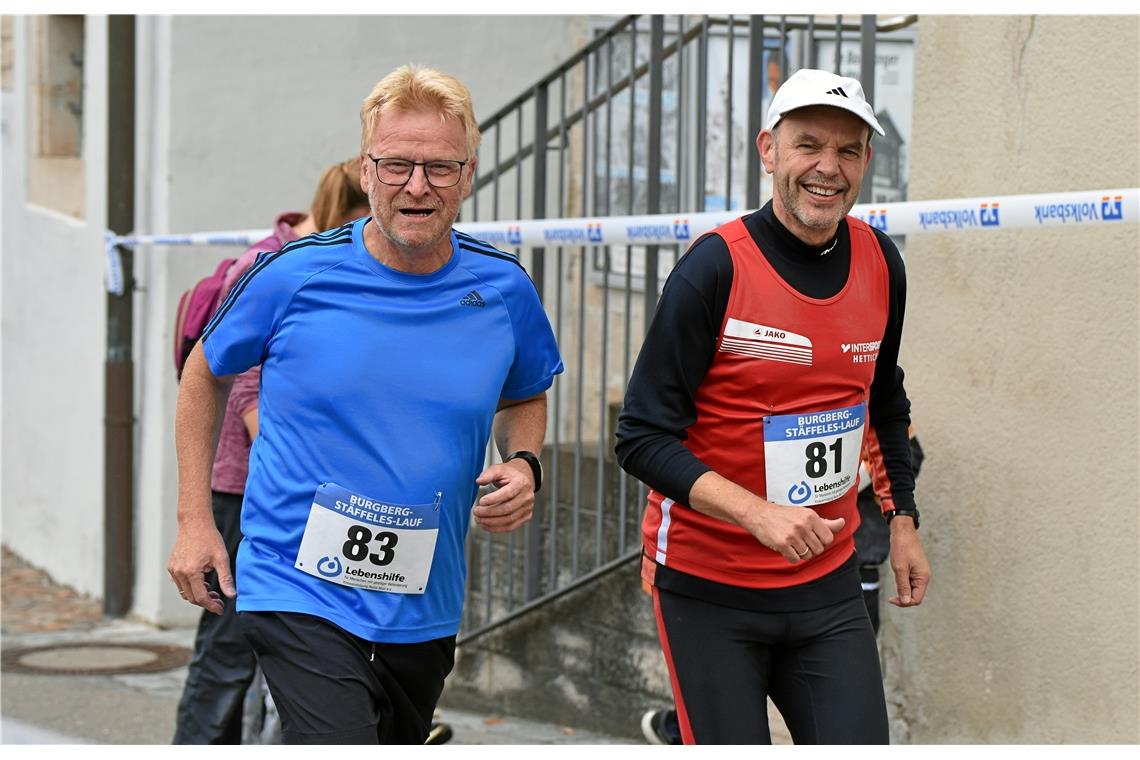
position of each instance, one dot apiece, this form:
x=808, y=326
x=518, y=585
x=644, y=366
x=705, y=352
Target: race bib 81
x=813, y=458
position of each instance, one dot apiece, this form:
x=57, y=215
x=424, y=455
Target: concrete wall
x=53, y=335
x=1021, y=356
x=589, y=660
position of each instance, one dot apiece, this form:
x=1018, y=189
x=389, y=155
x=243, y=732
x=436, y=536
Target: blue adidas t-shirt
x=378, y=389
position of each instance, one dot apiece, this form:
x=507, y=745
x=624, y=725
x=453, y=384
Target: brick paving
x=32, y=603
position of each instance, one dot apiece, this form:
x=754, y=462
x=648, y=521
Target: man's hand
x=198, y=549
x=908, y=561
x=512, y=503
x=797, y=533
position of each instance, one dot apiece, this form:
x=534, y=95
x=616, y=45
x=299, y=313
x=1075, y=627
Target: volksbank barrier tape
x=1080, y=209
x=992, y=213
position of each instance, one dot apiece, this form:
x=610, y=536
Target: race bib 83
x=353, y=540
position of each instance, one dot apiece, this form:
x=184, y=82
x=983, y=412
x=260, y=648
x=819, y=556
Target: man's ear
x=469, y=183
x=365, y=170
x=766, y=147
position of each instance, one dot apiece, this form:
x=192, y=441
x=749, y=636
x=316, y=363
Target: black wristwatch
x=891, y=514
x=535, y=466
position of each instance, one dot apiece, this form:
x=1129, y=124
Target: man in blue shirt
x=391, y=349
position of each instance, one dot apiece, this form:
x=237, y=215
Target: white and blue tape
x=1044, y=210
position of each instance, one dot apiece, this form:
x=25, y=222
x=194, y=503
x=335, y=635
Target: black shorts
x=331, y=687
x=820, y=667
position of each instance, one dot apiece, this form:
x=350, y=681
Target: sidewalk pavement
x=56, y=702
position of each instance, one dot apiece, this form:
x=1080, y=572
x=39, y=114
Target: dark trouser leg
x=821, y=668
x=826, y=680
x=210, y=710
x=331, y=687
x=718, y=660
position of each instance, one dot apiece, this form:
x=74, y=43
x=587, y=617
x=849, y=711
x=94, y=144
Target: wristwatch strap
x=535, y=465
x=891, y=514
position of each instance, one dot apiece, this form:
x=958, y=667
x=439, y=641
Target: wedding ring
x=805, y=552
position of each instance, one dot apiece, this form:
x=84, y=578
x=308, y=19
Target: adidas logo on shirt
x=473, y=299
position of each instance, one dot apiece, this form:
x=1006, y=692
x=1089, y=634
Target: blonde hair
x=338, y=192
x=413, y=87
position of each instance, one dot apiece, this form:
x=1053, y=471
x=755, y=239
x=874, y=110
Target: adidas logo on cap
x=814, y=87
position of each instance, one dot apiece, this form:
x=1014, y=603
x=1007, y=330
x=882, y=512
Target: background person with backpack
x=223, y=667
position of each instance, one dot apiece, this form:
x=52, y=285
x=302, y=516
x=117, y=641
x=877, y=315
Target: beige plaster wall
x=1021, y=356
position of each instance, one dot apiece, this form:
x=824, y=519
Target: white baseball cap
x=812, y=87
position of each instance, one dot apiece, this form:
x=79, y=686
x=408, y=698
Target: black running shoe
x=661, y=727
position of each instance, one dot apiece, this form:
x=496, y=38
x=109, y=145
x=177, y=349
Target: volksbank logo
x=1112, y=208
x=988, y=216
x=591, y=233
x=947, y=218
x=681, y=229
x=985, y=215
x=508, y=237
x=878, y=219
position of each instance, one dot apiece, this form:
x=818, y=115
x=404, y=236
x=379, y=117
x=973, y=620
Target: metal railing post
x=653, y=194
x=757, y=81
x=867, y=77
x=533, y=579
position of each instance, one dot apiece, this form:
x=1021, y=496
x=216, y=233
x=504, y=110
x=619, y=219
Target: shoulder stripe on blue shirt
x=333, y=232
x=468, y=243
x=263, y=260
x=473, y=242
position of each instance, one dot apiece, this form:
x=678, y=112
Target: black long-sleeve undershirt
x=681, y=343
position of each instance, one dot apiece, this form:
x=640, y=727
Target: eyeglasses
x=397, y=171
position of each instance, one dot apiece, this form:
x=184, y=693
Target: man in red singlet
x=772, y=358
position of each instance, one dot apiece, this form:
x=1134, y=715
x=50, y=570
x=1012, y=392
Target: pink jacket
x=231, y=462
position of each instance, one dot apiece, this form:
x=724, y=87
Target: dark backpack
x=195, y=309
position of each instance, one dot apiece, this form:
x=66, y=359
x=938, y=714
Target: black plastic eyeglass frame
x=376, y=167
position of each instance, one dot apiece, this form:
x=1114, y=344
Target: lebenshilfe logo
x=329, y=567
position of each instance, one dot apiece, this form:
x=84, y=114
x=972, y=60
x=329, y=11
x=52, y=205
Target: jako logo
x=681, y=229
x=878, y=221
x=799, y=493
x=329, y=567
x=594, y=232
x=989, y=215
x=514, y=235
x=1112, y=209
